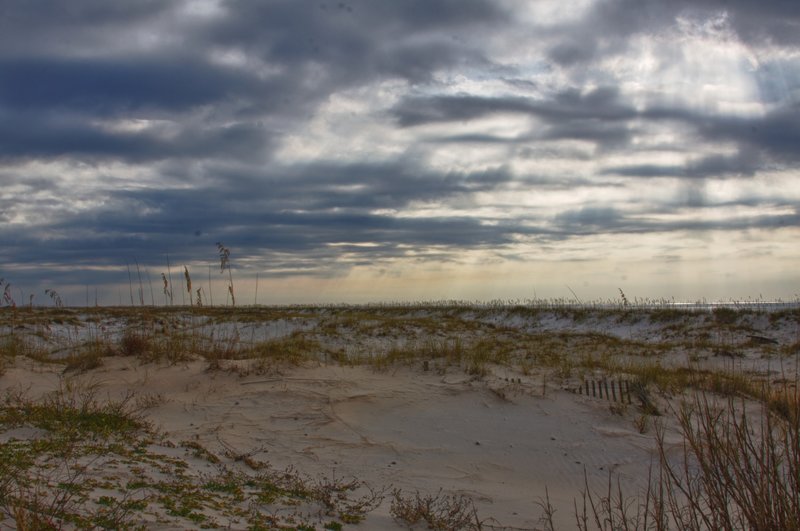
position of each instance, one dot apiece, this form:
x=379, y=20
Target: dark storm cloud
x=52, y=95
x=600, y=116
x=590, y=219
x=53, y=26
x=777, y=133
x=415, y=111
x=120, y=86
x=744, y=163
x=296, y=210
x=600, y=220
x=34, y=136
x=21, y=18
x=607, y=27
x=607, y=135
x=564, y=106
x=358, y=186
x=356, y=35
x=761, y=141
x=763, y=21
x=345, y=44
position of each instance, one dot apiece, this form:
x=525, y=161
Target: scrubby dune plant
x=441, y=511
x=735, y=470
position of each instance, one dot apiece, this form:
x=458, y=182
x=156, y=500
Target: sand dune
x=500, y=437
x=405, y=428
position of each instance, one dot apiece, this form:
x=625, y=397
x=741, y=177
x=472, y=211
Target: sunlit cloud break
x=372, y=150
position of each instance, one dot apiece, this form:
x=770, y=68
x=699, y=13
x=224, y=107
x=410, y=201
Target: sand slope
x=407, y=428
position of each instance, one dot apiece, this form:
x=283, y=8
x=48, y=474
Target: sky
x=400, y=150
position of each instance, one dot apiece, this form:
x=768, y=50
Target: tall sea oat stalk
x=624, y=298
x=225, y=263
x=169, y=274
x=8, y=299
x=149, y=281
x=56, y=297
x=141, y=286
x=188, y=283
x=130, y=282
x=167, y=290
x=210, y=290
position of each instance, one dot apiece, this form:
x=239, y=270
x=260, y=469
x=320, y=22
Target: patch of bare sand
x=406, y=428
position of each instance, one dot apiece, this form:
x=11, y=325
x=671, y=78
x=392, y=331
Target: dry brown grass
x=442, y=512
x=737, y=469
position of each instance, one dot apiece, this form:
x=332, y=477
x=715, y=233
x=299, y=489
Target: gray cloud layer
x=183, y=113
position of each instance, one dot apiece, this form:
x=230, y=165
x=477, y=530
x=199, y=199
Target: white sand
x=406, y=428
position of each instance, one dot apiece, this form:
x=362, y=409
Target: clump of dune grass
x=16, y=345
x=444, y=350
x=134, y=343
x=294, y=348
x=271, y=355
x=474, y=357
x=168, y=338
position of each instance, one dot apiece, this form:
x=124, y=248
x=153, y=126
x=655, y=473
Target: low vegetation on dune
x=92, y=464
x=726, y=378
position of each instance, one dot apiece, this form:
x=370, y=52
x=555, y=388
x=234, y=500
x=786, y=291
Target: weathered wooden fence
x=614, y=390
